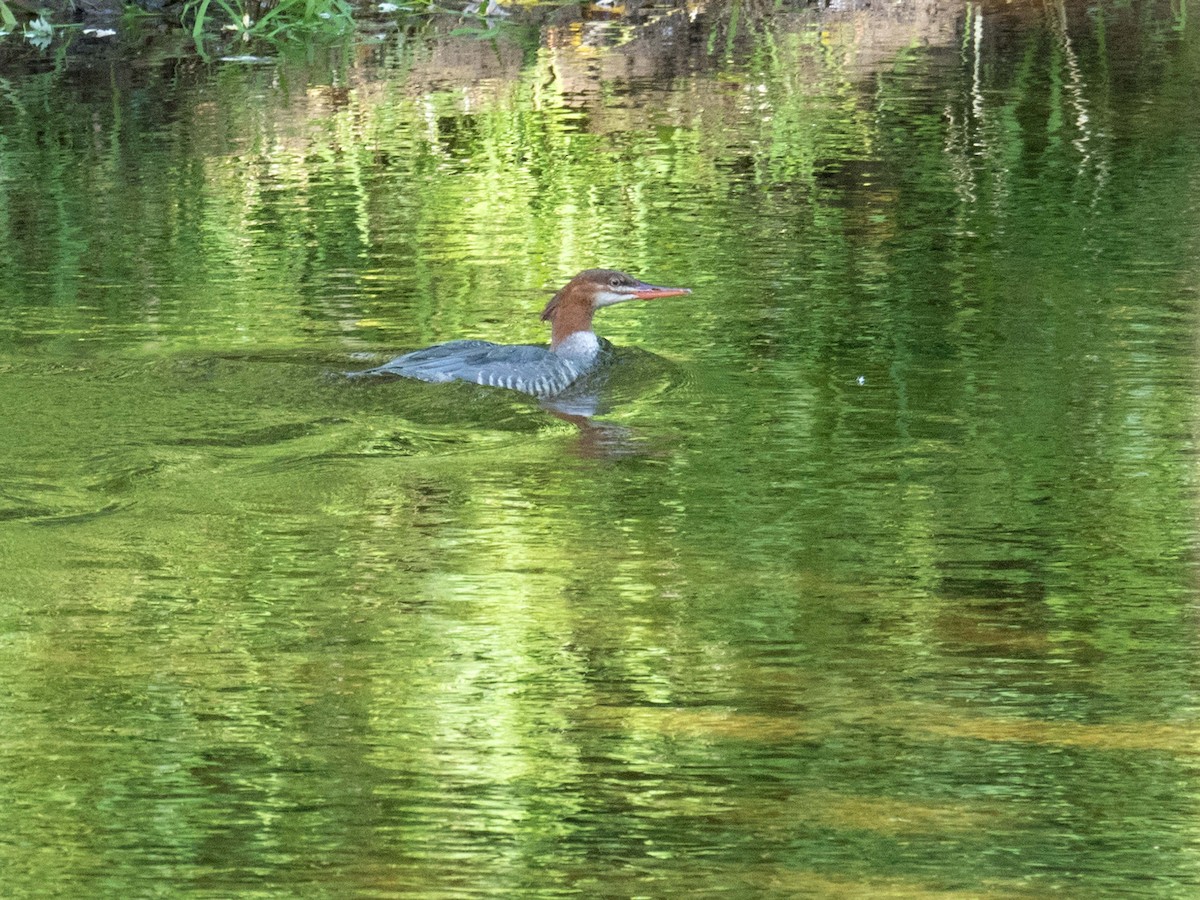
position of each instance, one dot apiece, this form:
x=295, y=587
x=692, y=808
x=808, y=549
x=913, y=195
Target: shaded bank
x=105, y=29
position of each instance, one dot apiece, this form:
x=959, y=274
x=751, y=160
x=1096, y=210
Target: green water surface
x=872, y=575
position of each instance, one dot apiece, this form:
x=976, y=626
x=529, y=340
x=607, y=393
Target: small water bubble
x=860, y=380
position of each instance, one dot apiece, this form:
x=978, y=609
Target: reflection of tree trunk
x=966, y=135
x=976, y=136
x=1076, y=89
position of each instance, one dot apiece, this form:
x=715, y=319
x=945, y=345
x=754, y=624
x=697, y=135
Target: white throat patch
x=582, y=346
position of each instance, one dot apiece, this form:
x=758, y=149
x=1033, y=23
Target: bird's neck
x=570, y=317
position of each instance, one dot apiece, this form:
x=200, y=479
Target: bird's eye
x=615, y=282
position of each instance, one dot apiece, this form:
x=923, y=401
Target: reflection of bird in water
x=601, y=440
x=597, y=439
x=547, y=373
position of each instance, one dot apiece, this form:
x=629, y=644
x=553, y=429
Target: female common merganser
x=574, y=348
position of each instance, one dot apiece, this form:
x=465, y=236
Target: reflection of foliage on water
x=913, y=532
x=428, y=209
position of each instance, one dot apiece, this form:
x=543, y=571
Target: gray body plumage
x=521, y=367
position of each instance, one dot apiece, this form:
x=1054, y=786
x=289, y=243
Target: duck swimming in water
x=543, y=372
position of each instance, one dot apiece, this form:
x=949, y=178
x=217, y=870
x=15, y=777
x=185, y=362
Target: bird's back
x=520, y=367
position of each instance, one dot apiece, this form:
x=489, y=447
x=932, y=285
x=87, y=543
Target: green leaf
x=201, y=15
